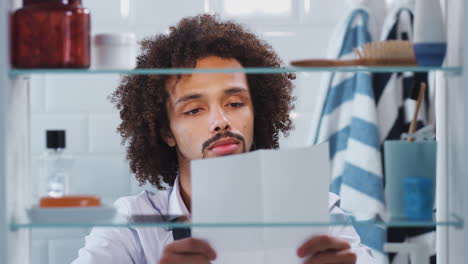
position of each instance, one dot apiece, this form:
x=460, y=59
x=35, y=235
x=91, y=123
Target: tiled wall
x=78, y=103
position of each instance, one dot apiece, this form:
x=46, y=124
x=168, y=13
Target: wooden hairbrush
x=383, y=53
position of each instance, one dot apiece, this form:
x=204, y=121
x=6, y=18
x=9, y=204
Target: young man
x=169, y=120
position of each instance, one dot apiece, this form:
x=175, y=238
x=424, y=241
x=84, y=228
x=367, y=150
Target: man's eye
x=193, y=111
x=236, y=105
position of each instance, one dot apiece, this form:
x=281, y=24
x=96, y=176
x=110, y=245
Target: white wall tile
x=307, y=88
x=260, y=12
x=158, y=12
x=38, y=97
x=301, y=135
x=103, y=134
x=106, y=176
x=145, y=31
x=64, y=251
x=297, y=42
x=80, y=93
x=75, y=125
x=110, y=15
x=310, y=12
x=322, y=13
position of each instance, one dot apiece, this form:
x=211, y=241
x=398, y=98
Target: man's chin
x=211, y=154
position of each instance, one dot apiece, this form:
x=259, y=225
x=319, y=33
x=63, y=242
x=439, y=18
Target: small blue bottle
x=418, y=198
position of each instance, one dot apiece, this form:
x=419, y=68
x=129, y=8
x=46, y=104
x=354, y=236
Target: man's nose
x=219, y=121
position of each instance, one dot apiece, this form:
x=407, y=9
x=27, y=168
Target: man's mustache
x=222, y=135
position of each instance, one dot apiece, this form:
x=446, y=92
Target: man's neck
x=185, y=184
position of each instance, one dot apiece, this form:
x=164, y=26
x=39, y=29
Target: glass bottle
x=51, y=34
x=56, y=166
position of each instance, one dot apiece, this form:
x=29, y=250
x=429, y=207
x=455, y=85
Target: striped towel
x=395, y=95
x=349, y=121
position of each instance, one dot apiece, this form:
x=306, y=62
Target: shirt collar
x=176, y=204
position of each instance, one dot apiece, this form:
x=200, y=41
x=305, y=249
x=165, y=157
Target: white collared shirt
x=144, y=245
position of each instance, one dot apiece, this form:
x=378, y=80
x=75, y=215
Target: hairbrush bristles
x=391, y=52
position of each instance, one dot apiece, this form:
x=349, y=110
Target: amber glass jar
x=51, y=34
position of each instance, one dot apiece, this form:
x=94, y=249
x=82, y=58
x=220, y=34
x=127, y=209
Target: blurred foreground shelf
x=157, y=222
x=169, y=71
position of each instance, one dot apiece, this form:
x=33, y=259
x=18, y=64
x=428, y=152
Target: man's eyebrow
x=229, y=91
x=235, y=90
x=188, y=97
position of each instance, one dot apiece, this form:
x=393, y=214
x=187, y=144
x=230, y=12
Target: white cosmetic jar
x=114, y=51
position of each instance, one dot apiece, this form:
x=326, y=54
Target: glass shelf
x=168, y=71
x=456, y=222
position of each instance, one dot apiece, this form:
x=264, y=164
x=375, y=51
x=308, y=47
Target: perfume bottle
x=56, y=165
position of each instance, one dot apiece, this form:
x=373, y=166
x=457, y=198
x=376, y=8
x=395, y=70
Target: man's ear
x=168, y=137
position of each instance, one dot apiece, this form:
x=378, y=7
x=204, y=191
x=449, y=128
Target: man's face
x=210, y=114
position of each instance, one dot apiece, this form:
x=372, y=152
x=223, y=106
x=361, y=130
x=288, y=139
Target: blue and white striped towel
x=349, y=121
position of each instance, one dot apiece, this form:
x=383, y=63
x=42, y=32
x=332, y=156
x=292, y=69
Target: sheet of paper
x=266, y=186
x=226, y=192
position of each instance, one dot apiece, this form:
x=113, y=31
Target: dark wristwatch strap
x=180, y=232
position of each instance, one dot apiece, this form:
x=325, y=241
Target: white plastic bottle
x=430, y=41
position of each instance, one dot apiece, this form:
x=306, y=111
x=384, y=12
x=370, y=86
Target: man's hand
x=188, y=251
x=326, y=249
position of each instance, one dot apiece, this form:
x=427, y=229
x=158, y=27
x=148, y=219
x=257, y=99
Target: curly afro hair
x=141, y=99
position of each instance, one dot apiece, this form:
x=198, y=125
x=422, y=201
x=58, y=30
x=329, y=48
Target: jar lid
x=114, y=38
x=70, y=201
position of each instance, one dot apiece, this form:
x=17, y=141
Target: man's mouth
x=225, y=146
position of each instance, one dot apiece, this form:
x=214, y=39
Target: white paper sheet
x=265, y=186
